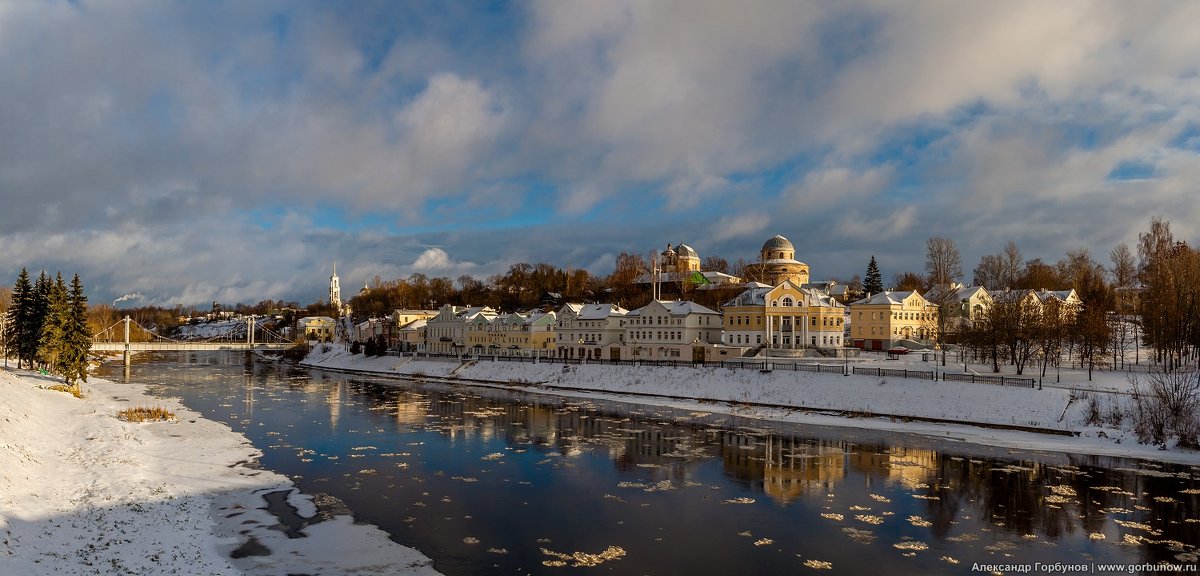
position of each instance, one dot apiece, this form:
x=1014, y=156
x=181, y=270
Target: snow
x=82, y=492
x=970, y=412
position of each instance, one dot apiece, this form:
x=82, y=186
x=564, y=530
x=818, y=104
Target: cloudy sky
x=231, y=150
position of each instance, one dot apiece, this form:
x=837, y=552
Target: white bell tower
x=335, y=289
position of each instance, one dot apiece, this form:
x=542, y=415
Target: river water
x=492, y=481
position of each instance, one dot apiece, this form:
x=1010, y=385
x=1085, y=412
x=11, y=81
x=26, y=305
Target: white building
x=670, y=330
x=593, y=331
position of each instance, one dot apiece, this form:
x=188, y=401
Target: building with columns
x=785, y=316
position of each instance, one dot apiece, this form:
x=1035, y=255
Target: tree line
x=46, y=326
x=1151, y=300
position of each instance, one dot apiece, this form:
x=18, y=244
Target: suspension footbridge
x=250, y=336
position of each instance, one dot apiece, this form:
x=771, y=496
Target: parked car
x=897, y=350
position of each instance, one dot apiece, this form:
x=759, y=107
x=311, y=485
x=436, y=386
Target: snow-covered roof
x=1063, y=295
x=756, y=296
x=600, y=311
x=415, y=325
x=540, y=318
x=887, y=297
x=958, y=292
x=676, y=308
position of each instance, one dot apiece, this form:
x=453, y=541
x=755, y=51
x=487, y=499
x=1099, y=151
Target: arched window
x=787, y=300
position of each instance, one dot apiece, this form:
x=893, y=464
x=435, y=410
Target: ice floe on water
x=583, y=559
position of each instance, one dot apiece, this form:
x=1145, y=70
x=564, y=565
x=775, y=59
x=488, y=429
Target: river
x=491, y=481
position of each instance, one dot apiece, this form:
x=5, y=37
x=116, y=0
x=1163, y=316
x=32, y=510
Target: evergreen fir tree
x=52, y=339
x=78, y=339
x=873, y=281
x=40, y=309
x=20, y=315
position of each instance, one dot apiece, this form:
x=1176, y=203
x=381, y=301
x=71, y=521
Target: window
x=787, y=300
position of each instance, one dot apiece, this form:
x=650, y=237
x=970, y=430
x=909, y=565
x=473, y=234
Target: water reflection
x=492, y=480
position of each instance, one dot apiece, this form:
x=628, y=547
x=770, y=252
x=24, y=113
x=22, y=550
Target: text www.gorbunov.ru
x=1084, y=568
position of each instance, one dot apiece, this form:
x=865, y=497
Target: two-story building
x=594, y=331
x=962, y=306
x=404, y=329
x=786, y=316
x=880, y=321
x=316, y=328
x=671, y=330
x=514, y=334
x=446, y=332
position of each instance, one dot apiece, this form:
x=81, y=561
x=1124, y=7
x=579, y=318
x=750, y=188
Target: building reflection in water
x=1018, y=498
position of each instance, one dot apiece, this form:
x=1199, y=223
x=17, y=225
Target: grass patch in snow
x=144, y=414
x=75, y=390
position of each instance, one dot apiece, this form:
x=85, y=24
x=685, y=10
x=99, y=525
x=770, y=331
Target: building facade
x=513, y=334
x=880, y=321
x=594, y=331
x=316, y=328
x=670, y=330
x=785, y=316
x=446, y=332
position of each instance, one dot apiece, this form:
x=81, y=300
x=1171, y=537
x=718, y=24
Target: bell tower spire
x=335, y=289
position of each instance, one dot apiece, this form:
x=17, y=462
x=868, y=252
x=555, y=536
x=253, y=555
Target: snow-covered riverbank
x=979, y=413
x=82, y=492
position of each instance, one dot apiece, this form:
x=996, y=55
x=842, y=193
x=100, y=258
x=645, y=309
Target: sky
x=186, y=152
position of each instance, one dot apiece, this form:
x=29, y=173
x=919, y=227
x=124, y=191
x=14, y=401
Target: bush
x=1092, y=412
x=298, y=351
x=1165, y=407
x=143, y=414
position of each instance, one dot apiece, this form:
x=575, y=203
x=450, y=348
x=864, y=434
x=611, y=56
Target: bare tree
x=1170, y=308
x=1011, y=261
x=1077, y=266
x=1038, y=275
x=715, y=264
x=942, y=261
x=1124, y=268
x=990, y=273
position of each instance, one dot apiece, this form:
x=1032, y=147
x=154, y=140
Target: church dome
x=778, y=243
x=685, y=251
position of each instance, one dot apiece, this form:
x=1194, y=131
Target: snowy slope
x=82, y=492
x=748, y=392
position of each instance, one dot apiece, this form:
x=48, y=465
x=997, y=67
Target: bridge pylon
x=127, y=355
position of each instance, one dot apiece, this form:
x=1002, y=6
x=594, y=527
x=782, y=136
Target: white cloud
x=859, y=226
x=826, y=187
x=437, y=260
x=739, y=225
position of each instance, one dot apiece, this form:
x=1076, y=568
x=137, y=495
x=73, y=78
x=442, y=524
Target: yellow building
x=880, y=321
x=512, y=335
x=316, y=328
x=681, y=259
x=786, y=316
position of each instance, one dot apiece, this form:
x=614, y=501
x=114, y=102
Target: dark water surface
x=490, y=481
